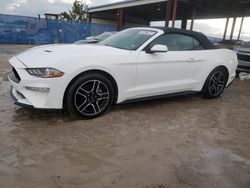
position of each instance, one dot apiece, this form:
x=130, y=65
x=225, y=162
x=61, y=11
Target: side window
x=184, y=42
x=197, y=45
x=177, y=42
x=169, y=40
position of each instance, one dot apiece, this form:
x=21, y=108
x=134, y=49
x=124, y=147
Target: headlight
x=45, y=72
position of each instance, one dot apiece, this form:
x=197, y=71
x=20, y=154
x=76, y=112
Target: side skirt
x=159, y=97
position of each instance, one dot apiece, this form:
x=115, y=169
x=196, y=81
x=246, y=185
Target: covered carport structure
x=141, y=12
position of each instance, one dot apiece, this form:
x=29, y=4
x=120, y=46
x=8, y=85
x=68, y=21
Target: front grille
x=14, y=76
x=243, y=57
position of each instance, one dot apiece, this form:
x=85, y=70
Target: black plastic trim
x=205, y=42
x=12, y=96
x=243, y=68
x=160, y=96
x=244, y=57
x=18, y=103
x=13, y=77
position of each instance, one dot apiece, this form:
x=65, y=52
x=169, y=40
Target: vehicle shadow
x=23, y=114
x=117, y=111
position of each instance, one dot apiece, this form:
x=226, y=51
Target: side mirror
x=158, y=48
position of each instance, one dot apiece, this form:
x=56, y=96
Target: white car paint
x=136, y=73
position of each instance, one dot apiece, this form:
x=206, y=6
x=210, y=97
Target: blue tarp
x=30, y=30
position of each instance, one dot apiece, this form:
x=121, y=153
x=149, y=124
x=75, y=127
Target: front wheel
x=90, y=96
x=215, y=83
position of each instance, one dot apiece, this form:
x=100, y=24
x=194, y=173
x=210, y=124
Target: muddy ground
x=178, y=142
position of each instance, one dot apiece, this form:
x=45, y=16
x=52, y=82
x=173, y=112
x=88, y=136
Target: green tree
x=79, y=12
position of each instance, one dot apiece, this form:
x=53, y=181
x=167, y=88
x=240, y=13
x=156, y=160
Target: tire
x=90, y=96
x=237, y=73
x=215, y=83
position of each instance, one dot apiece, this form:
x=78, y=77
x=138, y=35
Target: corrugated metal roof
x=122, y=4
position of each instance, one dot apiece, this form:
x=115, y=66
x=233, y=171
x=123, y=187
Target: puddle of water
x=197, y=136
x=4, y=86
x=6, y=51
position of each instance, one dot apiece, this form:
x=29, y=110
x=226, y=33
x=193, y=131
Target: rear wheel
x=237, y=73
x=215, y=83
x=90, y=96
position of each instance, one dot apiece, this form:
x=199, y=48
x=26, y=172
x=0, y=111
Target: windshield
x=102, y=36
x=130, y=39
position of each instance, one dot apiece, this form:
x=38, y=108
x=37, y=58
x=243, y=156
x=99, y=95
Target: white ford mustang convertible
x=134, y=64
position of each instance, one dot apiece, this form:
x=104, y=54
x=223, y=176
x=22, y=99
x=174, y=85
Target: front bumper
x=13, y=94
x=231, y=79
x=34, y=92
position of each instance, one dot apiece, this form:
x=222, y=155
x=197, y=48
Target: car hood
x=56, y=55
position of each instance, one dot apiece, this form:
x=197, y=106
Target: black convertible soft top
x=206, y=43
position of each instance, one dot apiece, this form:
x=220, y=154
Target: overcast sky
x=34, y=7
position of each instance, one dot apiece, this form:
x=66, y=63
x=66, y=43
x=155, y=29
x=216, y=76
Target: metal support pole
x=174, y=13
x=184, y=23
x=168, y=12
x=193, y=17
x=241, y=25
x=89, y=18
x=120, y=19
x=29, y=30
x=233, y=27
x=226, y=27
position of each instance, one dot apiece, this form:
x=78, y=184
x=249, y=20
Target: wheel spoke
x=80, y=106
x=216, y=90
x=96, y=85
x=103, y=96
x=212, y=87
x=213, y=79
x=82, y=92
x=84, y=107
x=96, y=107
x=219, y=76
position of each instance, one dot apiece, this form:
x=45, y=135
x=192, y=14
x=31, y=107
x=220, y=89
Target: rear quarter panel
x=210, y=59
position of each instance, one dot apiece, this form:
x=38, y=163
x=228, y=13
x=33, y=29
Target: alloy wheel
x=92, y=97
x=217, y=83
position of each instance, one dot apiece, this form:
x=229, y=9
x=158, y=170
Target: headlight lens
x=45, y=72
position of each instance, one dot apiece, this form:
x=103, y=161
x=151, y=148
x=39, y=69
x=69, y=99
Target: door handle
x=191, y=60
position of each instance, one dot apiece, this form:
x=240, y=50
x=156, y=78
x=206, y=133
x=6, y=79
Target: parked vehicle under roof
x=243, y=53
x=230, y=44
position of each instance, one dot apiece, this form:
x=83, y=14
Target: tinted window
x=197, y=45
x=178, y=42
x=130, y=39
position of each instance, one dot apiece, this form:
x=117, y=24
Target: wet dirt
x=177, y=142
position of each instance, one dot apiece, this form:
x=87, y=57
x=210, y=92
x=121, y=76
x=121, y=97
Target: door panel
x=162, y=73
